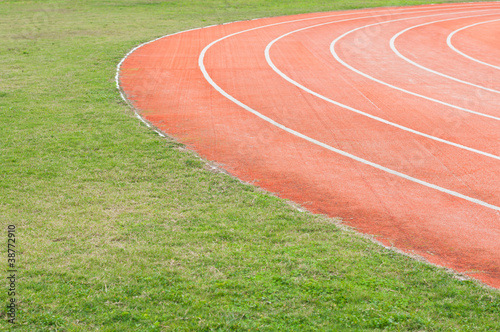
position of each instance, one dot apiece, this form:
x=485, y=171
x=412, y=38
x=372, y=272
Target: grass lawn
x=118, y=229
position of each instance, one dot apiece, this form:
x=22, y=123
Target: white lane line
x=395, y=50
x=450, y=44
x=320, y=96
x=337, y=57
x=316, y=142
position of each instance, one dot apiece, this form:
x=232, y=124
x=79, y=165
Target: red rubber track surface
x=345, y=126
x=476, y=42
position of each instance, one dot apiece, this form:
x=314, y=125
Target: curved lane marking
x=395, y=50
x=314, y=141
x=450, y=44
x=376, y=118
x=337, y=57
x=119, y=65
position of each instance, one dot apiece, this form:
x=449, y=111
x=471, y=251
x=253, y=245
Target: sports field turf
x=118, y=229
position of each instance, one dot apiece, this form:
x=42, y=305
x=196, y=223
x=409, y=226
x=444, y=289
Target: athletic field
x=120, y=229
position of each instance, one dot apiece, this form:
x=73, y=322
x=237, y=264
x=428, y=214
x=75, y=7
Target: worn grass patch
x=121, y=230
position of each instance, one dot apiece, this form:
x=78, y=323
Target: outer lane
x=179, y=102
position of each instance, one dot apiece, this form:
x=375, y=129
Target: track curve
x=479, y=29
x=320, y=109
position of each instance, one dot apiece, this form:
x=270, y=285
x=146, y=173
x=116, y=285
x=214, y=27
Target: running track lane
x=320, y=109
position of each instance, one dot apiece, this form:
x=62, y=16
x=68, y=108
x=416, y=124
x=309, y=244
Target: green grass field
x=121, y=230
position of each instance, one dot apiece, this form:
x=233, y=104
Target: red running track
x=386, y=117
